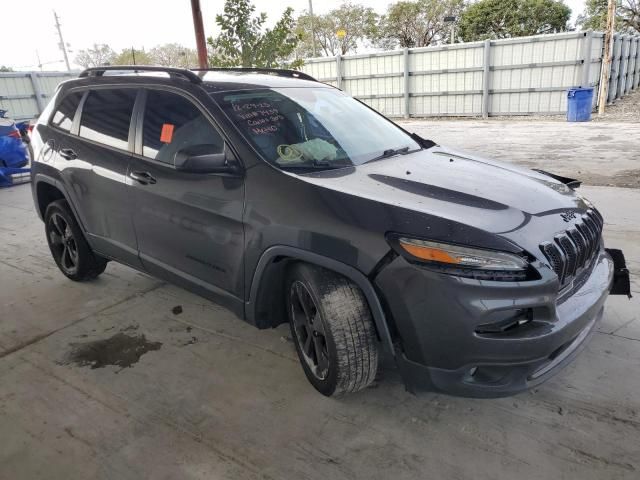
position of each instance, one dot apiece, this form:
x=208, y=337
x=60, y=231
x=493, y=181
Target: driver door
x=188, y=225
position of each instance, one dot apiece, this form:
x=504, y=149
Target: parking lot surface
x=599, y=153
x=127, y=377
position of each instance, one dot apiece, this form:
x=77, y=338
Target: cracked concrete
x=234, y=402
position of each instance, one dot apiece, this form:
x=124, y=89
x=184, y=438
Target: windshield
x=313, y=127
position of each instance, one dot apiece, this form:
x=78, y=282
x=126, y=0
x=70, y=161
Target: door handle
x=68, y=154
x=144, y=178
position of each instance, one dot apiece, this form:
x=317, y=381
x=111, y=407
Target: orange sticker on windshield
x=166, y=134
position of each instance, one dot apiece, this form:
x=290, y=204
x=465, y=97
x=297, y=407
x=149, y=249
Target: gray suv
x=286, y=200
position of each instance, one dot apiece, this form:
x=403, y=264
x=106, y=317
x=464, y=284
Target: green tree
x=132, y=56
x=5, y=69
x=244, y=42
x=594, y=16
x=174, y=55
x=100, y=54
x=513, y=18
x=418, y=23
x=338, y=32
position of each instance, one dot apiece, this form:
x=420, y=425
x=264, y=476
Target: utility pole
x=608, y=52
x=62, y=45
x=451, y=20
x=313, y=28
x=198, y=28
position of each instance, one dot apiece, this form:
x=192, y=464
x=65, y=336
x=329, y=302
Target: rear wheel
x=332, y=330
x=68, y=246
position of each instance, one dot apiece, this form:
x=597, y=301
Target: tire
x=68, y=246
x=343, y=330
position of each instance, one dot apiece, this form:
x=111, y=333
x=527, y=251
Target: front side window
x=106, y=116
x=312, y=127
x=63, y=117
x=173, y=124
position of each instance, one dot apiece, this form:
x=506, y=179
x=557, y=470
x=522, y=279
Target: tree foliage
x=594, y=16
x=5, y=69
x=243, y=40
x=417, y=23
x=513, y=18
x=630, y=12
x=174, y=55
x=100, y=54
x=131, y=56
x=355, y=22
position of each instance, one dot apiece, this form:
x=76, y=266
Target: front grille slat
x=593, y=229
x=571, y=254
x=573, y=250
x=581, y=246
x=555, y=257
x=588, y=236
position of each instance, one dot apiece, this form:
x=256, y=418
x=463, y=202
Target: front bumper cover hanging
x=621, y=283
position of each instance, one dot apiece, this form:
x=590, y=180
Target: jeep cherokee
x=286, y=200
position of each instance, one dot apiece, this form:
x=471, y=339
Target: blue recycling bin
x=579, y=104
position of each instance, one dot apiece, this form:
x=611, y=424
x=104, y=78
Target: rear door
x=95, y=156
x=188, y=225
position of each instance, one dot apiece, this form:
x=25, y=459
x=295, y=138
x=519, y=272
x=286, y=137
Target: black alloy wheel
x=309, y=330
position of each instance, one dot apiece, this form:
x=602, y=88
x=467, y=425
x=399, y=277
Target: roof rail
x=281, y=72
x=173, y=72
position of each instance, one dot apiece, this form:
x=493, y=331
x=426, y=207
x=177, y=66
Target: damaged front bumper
x=437, y=317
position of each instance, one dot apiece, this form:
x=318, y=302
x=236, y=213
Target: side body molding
x=292, y=253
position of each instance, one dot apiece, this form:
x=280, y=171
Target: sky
x=126, y=23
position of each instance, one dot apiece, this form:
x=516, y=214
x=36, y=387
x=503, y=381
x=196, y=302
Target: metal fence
x=25, y=94
x=519, y=76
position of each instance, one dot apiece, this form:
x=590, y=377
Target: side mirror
x=197, y=159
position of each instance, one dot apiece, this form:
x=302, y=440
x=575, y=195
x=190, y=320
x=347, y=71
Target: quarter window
x=172, y=123
x=106, y=115
x=63, y=117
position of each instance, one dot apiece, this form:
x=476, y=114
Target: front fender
x=272, y=254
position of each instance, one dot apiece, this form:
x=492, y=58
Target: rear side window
x=63, y=116
x=106, y=116
x=172, y=123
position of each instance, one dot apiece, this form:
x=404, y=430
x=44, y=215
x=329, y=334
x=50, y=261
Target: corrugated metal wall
x=519, y=76
x=25, y=94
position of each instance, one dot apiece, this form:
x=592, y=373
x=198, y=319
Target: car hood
x=496, y=197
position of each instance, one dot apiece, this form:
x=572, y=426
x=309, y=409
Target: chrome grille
x=574, y=249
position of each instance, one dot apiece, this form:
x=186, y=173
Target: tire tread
x=347, y=314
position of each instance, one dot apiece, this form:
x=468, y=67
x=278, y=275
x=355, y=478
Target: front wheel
x=332, y=329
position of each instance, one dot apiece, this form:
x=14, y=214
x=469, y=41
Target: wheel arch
x=265, y=308
x=46, y=190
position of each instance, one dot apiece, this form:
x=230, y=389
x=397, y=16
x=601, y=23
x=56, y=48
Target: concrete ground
x=212, y=398
x=599, y=153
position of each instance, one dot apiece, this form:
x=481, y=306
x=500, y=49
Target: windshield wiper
x=317, y=165
x=390, y=153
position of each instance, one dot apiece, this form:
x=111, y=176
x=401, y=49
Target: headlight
x=463, y=261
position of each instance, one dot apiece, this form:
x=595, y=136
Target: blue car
x=13, y=151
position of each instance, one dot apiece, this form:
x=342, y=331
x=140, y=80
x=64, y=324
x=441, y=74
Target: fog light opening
x=472, y=371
